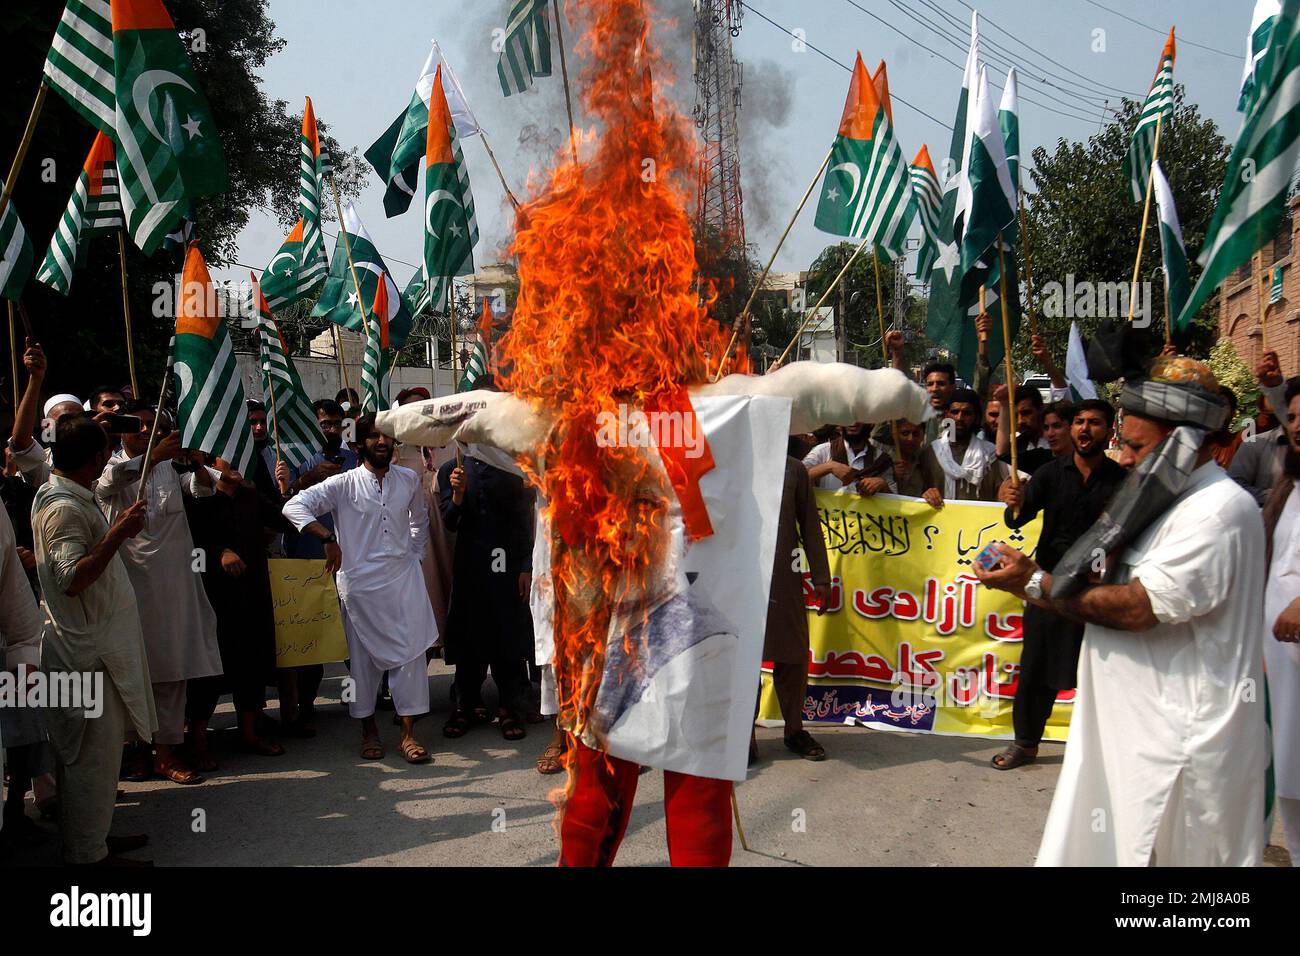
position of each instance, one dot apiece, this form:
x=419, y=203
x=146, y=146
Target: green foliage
x=1233, y=373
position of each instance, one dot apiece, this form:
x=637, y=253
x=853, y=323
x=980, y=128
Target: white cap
x=60, y=399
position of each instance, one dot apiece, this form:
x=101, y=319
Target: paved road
x=879, y=799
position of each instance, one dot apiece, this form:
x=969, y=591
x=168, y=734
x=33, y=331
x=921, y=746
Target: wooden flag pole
x=275, y=414
x=1261, y=284
x=1011, y=377
x=1029, y=262
x=884, y=346
x=126, y=311
x=1169, y=332
x=826, y=294
x=497, y=166
x=768, y=268
x=13, y=352
x=564, y=72
x=983, y=336
x=455, y=356
x=338, y=353
x=735, y=813
x=153, y=432
x=25, y=142
x=1146, y=214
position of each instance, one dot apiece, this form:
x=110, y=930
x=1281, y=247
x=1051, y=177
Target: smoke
x=766, y=103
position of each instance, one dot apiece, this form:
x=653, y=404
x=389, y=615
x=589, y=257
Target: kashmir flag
x=867, y=191
x=80, y=62
x=1177, y=282
x=986, y=198
x=418, y=294
x=396, y=155
x=298, y=269
x=339, y=302
x=449, y=228
x=210, y=394
x=927, y=200
x=92, y=211
x=297, y=435
x=375, y=369
x=16, y=254
x=1261, y=28
x=1252, y=199
x=1158, y=107
x=477, y=365
x=527, y=50
x=1275, y=287
x=168, y=147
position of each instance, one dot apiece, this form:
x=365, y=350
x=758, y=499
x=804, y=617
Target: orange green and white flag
x=927, y=199
x=298, y=437
x=298, y=269
x=450, y=229
x=1158, y=107
x=477, y=366
x=93, y=210
x=375, y=367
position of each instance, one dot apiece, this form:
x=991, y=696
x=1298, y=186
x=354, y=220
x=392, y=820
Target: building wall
x=1239, y=300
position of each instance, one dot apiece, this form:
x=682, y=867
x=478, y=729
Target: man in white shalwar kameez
x=180, y=627
x=1167, y=751
x=381, y=527
x=1282, y=624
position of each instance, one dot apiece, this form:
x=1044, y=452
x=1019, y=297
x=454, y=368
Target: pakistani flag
x=418, y=294
x=1076, y=367
x=80, y=62
x=1275, y=288
x=867, y=192
x=927, y=199
x=1177, y=283
x=450, y=230
x=168, y=147
x=298, y=268
x=527, y=50
x=92, y=211
x=477, y=365
x=396, y=155
x=1252, y=199
x=1009, y=124
x=16, y=254
x=338, y=300
x=1158, y=106
x=986, y=198
x=209, y=391
x=297, y=435
x=375, y=370
x=1261, y=28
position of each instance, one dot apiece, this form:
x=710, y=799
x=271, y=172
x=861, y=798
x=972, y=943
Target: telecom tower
x=718, y=79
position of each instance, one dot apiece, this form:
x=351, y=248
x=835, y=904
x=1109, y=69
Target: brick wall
x=1240, y=297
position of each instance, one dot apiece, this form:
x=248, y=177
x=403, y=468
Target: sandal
x=552, y=760
x=179, y=774
x=457, y=724
x=511, y=728
x=372, y=748
x=803, y=744
x=1014, y=756
x=414, y=752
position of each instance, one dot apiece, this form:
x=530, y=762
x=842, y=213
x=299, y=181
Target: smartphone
x=122, y=424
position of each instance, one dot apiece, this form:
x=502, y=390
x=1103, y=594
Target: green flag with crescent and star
x=449, y=228
x=338, y=300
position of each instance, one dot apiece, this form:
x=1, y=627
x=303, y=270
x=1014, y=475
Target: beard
x=377, y=457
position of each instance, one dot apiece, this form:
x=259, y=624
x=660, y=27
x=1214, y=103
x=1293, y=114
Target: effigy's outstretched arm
x=497, y=419
x=832, y=393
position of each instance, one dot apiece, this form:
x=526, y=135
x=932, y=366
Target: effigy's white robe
x=1167, y=750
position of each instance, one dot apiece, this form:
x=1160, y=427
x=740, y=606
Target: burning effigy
x=661, y=489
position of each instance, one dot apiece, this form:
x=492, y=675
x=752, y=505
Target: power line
x=839, y=63
x=1157, y=30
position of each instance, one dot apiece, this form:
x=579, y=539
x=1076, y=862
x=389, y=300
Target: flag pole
x=25, y=142
x=735, y=813
x=126, y=311
x=455, y=357
x=497, y=166
x=275, y=414
x=735, y=332
x=884, y=346
x=564, y=71
x=338, y=353
x=347, y=249
x=1261, y=285
x=153, y=432
x=1146, y=213
x=826, y=294
x=1029, y=262
x=13, y=352
x=1011, y=378
x=983, y=336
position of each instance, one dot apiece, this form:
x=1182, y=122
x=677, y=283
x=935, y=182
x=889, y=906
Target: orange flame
x=608, y=315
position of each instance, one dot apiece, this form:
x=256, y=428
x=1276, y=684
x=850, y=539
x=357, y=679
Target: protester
x=1166, y=759
x=905, y=476
x=350, y=402
x=381, y=524
x=490, y=511
x=850, y=459
x=180, y=629
x=1058, y=420
x=94, y=628
x=799, y=543
x=1257, y=465
x=231, y=528
x=992, y=412
x=1070, y=493
x=962, y=467
x=17, y=496
x=940, y=381
x=33, y=459
x=1032, y=449
x=1282, y=626
x=270, y=473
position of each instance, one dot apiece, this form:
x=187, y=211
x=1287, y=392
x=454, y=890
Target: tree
x=1083, y=222
x=855, y=299
x=229, y=41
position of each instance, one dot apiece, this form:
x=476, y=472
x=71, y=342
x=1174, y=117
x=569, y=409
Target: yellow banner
x=911, y=640
x=308, y=622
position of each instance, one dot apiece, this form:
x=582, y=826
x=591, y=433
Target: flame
x=610, y=313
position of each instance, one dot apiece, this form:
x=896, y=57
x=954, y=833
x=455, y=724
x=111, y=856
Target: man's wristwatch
x=1034, y=586
x=332, y=539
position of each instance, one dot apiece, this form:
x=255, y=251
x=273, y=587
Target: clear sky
x=359, y=62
